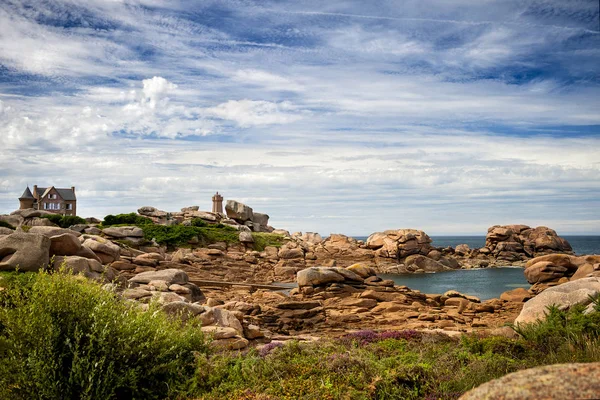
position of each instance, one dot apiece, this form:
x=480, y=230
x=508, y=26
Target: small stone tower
x=26, y=200
x=217, y=203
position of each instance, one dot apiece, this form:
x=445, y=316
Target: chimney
x=73, y=189
x=35, y=195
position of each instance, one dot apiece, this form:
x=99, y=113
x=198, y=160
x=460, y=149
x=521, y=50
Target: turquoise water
x=484, y=283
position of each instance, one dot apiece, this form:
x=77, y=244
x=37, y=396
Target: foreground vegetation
x=400, y=364
x=62, y=336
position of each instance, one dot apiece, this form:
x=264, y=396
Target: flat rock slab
x=561, y=381
x=171, y=276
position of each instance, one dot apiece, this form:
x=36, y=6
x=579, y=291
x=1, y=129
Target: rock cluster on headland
x=236, y=214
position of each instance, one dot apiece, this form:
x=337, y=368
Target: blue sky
x=337, y=116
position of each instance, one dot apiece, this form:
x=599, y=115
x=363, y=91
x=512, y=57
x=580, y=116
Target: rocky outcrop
x=512, y=243
x=106, y=250
x=554, y=267
x=562, y=296
x=399, y=243
x=560, y=381
x=24, y=251
x=238, y=211
x=131, y=234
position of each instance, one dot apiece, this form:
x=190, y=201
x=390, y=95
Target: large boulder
x=315, y=276
x=124, y=232
x=14, y=220
x=171, y=276
x=544, y=271
x=399, y=243
x=562, y=296
x=260, y=218
x=559, y=381
x=148, y=211
x=52, y=231
x=106, y=250
x=30, y=213
x=64, y=245
x=25, y=251
x=425, y=263
x=238, y=211
x=246, y=237
x=91, y=269
x=553, y=267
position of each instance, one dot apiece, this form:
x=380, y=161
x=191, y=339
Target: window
x=69, y=206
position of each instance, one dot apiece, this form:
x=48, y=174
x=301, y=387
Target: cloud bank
x=331, y=117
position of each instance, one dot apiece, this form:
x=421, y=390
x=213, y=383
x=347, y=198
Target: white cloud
x=248, y=113
x=155, y=89
x=267, y=80
x=384, y=115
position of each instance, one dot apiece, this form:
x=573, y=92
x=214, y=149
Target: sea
x=485, y=283
x=582, y=245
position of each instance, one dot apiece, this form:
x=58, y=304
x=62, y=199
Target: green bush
x=180, y=235
x=199, y=222
x=564, y=333
x=64, y=221
x=5, y=224
x=126, y=219
x=86, y=343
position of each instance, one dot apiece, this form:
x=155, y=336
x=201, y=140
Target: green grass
x=86, y=343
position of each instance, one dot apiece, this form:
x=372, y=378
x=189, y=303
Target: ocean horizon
x=581, y=244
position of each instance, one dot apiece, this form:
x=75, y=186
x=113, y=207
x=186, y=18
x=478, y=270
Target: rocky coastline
x=337, y=284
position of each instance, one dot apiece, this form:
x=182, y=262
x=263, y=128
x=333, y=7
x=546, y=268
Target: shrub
x=5, y=224
x=199, y=222
x=64, y=221
x=87, y=343
x=126, y=219
x=570, y=330
x=180, y=235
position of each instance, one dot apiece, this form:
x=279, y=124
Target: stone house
x=51, y=199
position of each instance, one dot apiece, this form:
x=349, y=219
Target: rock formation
x=559, y=381
x=24, y=251
x=520, y=242
x=563, y=296
x=554, y=267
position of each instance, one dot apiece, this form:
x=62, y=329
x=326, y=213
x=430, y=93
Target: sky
x=330, y=116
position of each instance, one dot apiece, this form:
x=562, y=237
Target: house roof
x=66, y=194
x=26, y=194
